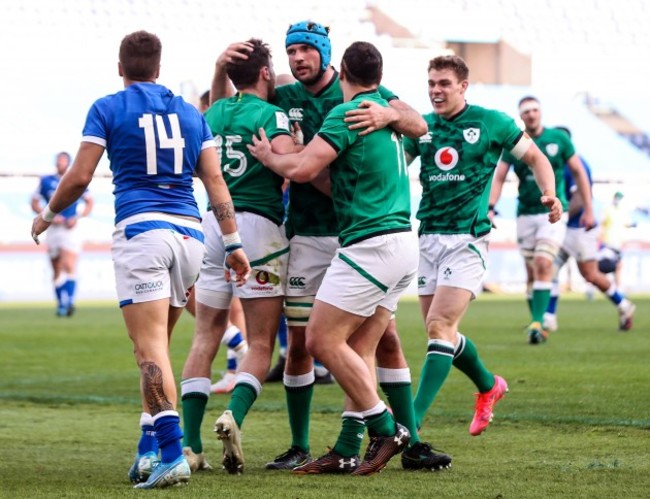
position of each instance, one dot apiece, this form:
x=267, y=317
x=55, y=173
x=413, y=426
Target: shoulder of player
x=261, y=111
x=288, y=91
x=555, y=135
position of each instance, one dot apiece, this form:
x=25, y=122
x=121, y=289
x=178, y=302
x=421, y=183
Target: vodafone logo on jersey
x=446, y=158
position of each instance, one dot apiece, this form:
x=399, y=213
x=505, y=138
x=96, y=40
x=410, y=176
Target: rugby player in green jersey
x=458, y=156
x=375, y=263
x=540, y=241
x=257, y=199
x=313, y=232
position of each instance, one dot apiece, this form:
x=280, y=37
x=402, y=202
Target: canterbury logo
x=295, y=113
x=297, y=282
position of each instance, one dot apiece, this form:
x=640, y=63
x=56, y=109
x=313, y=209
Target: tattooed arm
x=209, y=171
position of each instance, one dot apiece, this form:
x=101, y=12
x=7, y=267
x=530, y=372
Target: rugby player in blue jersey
x=155, y=143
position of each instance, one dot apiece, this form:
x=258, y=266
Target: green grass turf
x=575, y=423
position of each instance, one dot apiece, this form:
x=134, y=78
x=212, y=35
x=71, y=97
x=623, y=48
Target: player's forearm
x=407, y=120
x=222, y=206
x=220, y=88
x=89, y=203
x=497, y=185
x=289, y=166
x=544, y=174
x=582, y=183
x=75, y=181
x=72, y=186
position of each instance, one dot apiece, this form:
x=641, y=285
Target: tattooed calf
x=152, y=386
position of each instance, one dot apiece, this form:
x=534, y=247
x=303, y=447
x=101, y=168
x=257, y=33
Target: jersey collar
x=459, y=113
x=333, y=80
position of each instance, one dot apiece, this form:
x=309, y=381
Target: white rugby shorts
x=454, y=260
x=531, y=229
x=267, y=249
x=581, y=244
x=309, y=259
x=371, y=273
x=156, y=256
x=59, y=237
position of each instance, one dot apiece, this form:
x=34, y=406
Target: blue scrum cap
x=314, y=34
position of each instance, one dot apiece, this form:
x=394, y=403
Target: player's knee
x=439, y=328
x=545, y=253
x=315, y=345
x=389, y=345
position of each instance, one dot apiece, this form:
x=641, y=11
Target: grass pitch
x=575, y=423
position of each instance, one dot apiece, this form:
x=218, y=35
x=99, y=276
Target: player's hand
x=554, y=207
x=234, y=52
x=491, y=215
x=297, y=135
x=237, y=264
x=38, y=227
x=369, y=116
x=261, y=148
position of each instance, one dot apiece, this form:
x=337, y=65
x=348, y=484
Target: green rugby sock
x=400, y=399
x=541, y=297
x=298, y=406
x=348, y=443
x=468, y=362
x=242, y=399
x=193, y=405
x=436, y=368
x=382, y=424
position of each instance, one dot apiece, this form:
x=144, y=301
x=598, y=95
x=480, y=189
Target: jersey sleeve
x=386, y=94
x=566, y=147
x=411, y=146
x=206, y=134
x=275, y=122
x=509, y=136
x=95, y=129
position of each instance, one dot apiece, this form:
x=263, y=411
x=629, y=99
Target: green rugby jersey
x=558, y=148
x=311, y=213
x=233, y=122
x=458, y=157
x=370, y=184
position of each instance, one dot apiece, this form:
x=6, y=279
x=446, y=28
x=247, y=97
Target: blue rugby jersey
x=153, y=140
